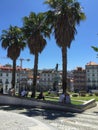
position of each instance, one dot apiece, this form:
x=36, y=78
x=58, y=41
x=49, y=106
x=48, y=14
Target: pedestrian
x=61, y=98
x=67, y=98
x=41, y=96
x=23, y=93
x=12, y=91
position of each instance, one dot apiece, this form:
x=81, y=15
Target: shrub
x=75, y=95
x=90, y=94
x=82, y=93
x=96, y=94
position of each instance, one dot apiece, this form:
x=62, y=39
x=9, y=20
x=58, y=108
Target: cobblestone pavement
x=87, y=120
x=14, y=121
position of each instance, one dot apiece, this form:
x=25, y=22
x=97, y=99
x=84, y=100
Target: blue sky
x=80, y=52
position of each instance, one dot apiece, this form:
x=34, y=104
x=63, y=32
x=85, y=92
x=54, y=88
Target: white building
x=92, y=75
x=48, y=78
x=6, y=77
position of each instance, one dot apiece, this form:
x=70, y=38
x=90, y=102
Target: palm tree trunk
x=35, y=74
x=13, y=74
x=64, y=68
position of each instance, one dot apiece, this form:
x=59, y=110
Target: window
x=6, y=82
x=17, y=80
x=17, y=74
x=0, y=80
x=6, y=87
x=48, y=79
x=7, y=74
x=89, y=80
x=0, y=74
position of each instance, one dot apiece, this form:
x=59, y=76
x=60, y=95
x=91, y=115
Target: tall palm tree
x=12, y=40
x=63, y=17
x=35, y=30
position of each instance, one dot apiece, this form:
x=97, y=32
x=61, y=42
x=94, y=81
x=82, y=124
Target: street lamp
x=21, y=60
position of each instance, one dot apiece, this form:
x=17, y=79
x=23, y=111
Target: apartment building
x=92, y=75
x=6, y=77
x=49, y=78
x=79, y=79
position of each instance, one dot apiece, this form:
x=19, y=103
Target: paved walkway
x=19, y=118
x=13, y=121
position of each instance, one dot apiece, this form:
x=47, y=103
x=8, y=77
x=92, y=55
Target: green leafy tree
x=35, y=31
x=13, y=41
x=63, y=17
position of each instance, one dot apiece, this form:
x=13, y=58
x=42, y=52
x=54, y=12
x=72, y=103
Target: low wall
x=12, y=100
x=89, y=104
x=94, y=91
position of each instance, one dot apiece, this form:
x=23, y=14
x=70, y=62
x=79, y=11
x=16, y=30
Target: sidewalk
x=13, y=121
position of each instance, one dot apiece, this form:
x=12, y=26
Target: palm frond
x=95, y=48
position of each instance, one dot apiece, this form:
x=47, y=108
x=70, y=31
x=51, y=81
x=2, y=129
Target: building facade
x=6, y=78
x=79, y=79
x=49, y=78
x=92, y=75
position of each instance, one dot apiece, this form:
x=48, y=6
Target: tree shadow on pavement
x=34, y=112
x=96, y=112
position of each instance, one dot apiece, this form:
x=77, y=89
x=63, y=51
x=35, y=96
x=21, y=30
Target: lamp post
x=21, y=60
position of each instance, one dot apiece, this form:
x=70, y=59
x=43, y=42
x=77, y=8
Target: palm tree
x=94, y=48
x=63, y=17
x=12, y=40
x=35, y=30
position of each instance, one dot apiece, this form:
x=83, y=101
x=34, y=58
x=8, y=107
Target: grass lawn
x=86, y=98
x=56, y=99
x=74, y=100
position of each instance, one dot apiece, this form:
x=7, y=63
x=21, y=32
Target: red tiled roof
x=11, y=68
x=92, y=63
